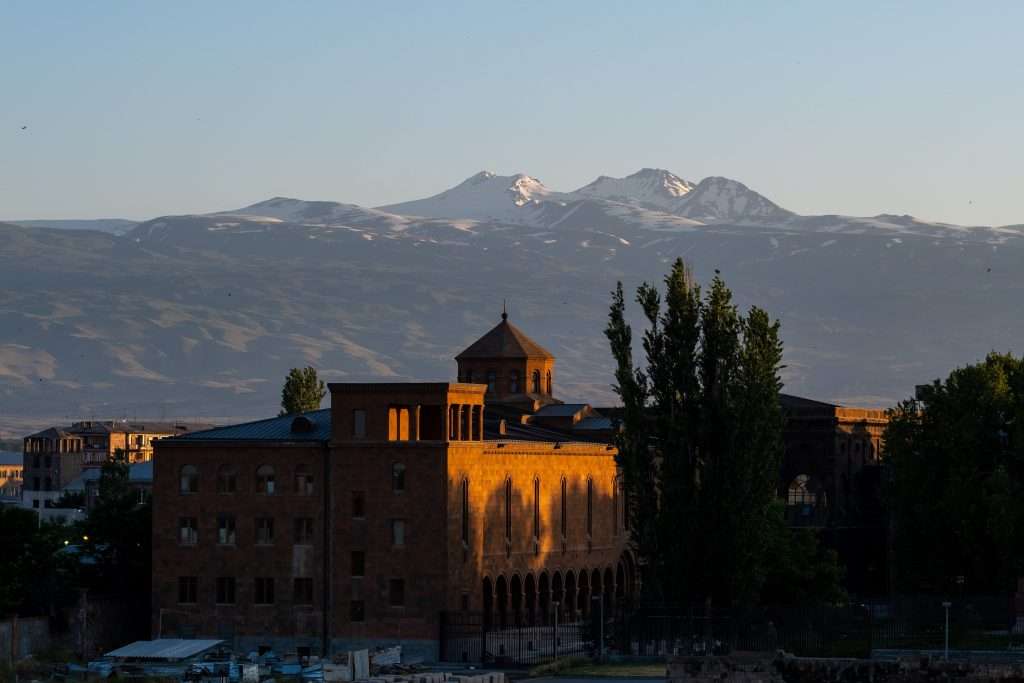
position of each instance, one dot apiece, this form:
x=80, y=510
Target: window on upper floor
x=508, y=510
x=225, y=529
x=536, y=381
x=465, y=512
x=549, y=387
x=303, y=530
x=227, y=479
x=264, y=591
x=398, y=477
x=565, y=511
x=513, y=382
x=303, y=480
x=398, y=533
x=188, y=590
x=265, y=480
x=590, y=508
x=189, y=479
x=188, y=531
x=398, y=423
x=359, y=423
x=536, y=509
x=264, y=530
x=358, y=563
x=225, y=590
x=492, y=380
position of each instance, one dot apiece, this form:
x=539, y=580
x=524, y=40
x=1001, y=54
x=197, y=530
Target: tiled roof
x=504, y=340
x=561, y=410
x=272, y=429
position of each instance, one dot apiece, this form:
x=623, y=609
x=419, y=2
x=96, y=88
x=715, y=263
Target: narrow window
x=302, y=591
x=358, y=563
x=396, y=592
x=357, y=611
x=264, y=530
x=264, y=593
x=398, y=532
x=469, y=376
x=508, y=510
x=536, y=509
x=303, y=530
x=359, y=423
x=265, y=480
x=398, y=423
x=549, y=391
x=565, y=516
x=188, y=590
x=492, y=380
x=225, y=590
x=226, y=529
x=188, y=531
x=303, y=480
x=398, y=477
x=465, y=512
x=615, y=508
x=358, y=504
x=590, y=508
x=227, y=479
x=513, y=382
x=189, y=479
x=536, y=381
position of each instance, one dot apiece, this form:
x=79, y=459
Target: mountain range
x=203, y=315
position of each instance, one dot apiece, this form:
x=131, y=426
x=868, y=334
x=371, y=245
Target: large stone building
x=362, y=523
x=10, y=477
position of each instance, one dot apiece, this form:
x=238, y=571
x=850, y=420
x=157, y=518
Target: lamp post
x=947, y=605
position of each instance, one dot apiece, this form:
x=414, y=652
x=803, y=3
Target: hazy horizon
x=139, y=111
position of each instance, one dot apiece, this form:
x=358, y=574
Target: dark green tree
x=303, y=391
x=956, y=492
x=700, y=441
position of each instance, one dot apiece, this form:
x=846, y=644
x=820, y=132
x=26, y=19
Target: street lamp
x=947, y=605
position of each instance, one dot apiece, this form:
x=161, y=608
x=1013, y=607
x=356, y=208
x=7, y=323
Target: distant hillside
x=115, y=226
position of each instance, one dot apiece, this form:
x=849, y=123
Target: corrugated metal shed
x=272, y=429
x=169, y=649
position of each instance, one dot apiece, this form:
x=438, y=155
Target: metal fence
x=468, y=637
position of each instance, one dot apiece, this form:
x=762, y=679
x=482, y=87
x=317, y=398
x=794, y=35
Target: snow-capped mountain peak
x=717, y=199
x=483, y=196
x=654, y=188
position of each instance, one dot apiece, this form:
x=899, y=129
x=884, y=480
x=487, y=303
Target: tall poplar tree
x=302, y=392
x=700, y=441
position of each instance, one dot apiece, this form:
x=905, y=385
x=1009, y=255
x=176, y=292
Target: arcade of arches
x=534, y=599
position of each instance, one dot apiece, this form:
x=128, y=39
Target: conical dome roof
x=504, y=340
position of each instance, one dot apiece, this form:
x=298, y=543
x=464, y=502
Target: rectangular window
x=264, y=593
x=398, y=423
x=396, y=592
x=358, y=504
x=264, y=530
x=398, y=532
x=225, y=590
x=357, y=611
x=303, y=531
x=188, y=531
x=225, y=529
x=359, y=424
x=358, y=563
x=188, y=589
x=302, y=591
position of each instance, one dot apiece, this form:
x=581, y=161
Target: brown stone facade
x=414, y=511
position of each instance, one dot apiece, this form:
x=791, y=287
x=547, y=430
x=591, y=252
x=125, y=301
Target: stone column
x=415, y=427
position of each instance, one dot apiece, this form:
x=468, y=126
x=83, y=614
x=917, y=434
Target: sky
x=135, y=110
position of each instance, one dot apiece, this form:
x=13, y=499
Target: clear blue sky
x=145, y=108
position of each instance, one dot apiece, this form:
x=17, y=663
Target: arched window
x=536, y=509
x=565, y=516
x=590, y=508
x=492, y=380
x=465, y=512
x=265, y=481
x=549, y=391
x=189, y=482
x=513, y=382
x=800, y=492
x=536, y=381
x=508, y=510
x=303, y=480
x=398, y=477
x=227, y=479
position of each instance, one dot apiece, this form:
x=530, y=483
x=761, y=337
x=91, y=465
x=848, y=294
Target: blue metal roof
x=561, y=410
x=169, y=648
x=10, y=458
x=272, y=429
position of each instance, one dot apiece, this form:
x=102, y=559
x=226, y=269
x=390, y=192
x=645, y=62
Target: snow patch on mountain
x=305, y=212
x=653, y=188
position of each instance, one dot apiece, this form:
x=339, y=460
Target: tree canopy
x=303, y=391
x=700, y=445
x=956, y=493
